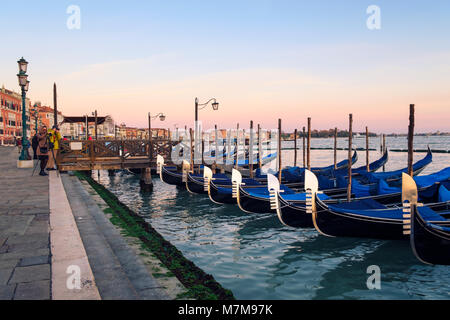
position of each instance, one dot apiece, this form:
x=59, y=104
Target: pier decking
x=83, y=155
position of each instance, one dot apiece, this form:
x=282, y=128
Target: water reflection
x=258, y=258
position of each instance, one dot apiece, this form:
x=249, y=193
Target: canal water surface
x=258, y=258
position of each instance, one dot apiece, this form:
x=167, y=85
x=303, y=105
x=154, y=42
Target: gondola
x=418, y=167
x=222, y=194
x=258, y=202
x=430, y=242
x=291, y=208
x=365, y=218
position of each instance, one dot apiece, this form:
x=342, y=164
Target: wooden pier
x=84, y=155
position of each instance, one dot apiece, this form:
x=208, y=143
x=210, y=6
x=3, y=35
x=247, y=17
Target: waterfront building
x=11, y=115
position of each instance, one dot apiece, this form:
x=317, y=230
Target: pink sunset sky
x=262, y=60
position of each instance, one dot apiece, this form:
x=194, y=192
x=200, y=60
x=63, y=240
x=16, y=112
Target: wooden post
x=350, y=136
x=335, y=148
x=192, y=149
x=95, y=125
x=55, y=106
x=367, y=150
x=304, y=148
x=202, y=151
x=87, y=128
x=308, y=155
x=259, y=147
x=216, y=142
x=250, y=150
x=146, y=182
x=150, y=147
x=237, y=148
x=411, y=140
x=384, y=149
x=295, y=147
x=279, y=151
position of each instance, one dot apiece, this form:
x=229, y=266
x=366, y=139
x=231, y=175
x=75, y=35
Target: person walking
x=43, y=149
x=54, y=137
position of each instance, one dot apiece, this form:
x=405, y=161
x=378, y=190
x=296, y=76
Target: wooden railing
x=111, y=154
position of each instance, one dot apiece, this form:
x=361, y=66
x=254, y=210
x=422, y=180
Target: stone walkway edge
x=72, y=277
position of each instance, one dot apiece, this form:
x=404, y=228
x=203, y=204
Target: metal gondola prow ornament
x=207, y=177
x=409, y=199
x=273, y=186
x=236, y=181
x=159, y=164
x=312, y=188
x=186, y=167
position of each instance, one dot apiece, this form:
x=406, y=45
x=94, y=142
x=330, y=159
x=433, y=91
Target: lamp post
x=24, y=85
x=215, y=106
x=162, y=117
x=36, y=116
x=95, y=123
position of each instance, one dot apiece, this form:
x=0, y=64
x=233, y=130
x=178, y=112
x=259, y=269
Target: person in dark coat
x=43, y=149
x=34, y=145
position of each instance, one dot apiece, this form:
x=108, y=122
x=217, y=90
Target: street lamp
x=36, y=114
x=162, y=117
x=215, y=106
x=24, y=85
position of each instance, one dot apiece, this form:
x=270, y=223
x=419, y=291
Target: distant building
x=11, y=115
x=45, y=116
x=130, y=133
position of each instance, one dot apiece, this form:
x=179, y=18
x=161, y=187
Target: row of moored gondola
x=385, y=205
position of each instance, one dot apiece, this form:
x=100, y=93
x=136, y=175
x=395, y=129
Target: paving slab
x=31, y=273
x=33, y=261
x=7, y=291
x=38, y=290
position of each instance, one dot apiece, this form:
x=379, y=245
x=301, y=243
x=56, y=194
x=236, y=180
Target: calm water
x=258, y=258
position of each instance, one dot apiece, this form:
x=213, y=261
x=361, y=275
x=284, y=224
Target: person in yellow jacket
x=53, y=138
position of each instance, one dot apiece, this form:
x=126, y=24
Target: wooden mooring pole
x=259, y=147
x=250, y=150
x=295, y=147
x=279, y=150
x=384, y=149
x=146, y=182
x=350, y=136
x=304, y=147
x=192, y=149
x=335, y=148
x=411, y=140
x=308, y=155
x=367, y=150
x=237, y=147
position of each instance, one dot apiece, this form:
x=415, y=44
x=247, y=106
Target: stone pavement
x=119, y=273
x=25, y=269
x=80, y=234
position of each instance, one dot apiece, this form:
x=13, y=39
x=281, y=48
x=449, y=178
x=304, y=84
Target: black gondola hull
x=294, y=215
x=336, y=224
x=220, y=197
x=430, y=245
